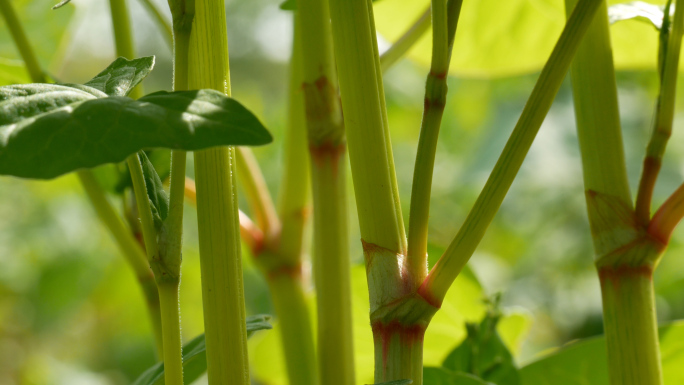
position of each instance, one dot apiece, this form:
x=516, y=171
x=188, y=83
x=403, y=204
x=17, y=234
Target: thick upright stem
x=631, y=329
x=327, y=147
x=626, y=252
x=217, y=212
x=291, y=307
x=332, y=266
x=363, y=103
x=398, y=352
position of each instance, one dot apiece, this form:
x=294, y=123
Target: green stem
x=327, y=148
x=406, y=41
x=488, y=202
x=287, y=290
x=294, y=203
x=170, y=311
x=130, y=249
x=444, y=14
x=631, y=329
x=256, y=191
x=662, y=125
x=159, y=19
x=363, y=103
x=398, y=352
x=332, y=266
x=668, y=216
x=296, y=333
x=217, y=212
x=123, y=37
x=19, y=35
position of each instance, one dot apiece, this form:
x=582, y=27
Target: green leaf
x=483, y=353
x=584, y=362
x=195, y=356
x=75, y=130
x=396, y=382
x=637, y=10
x=120, y=77
x=505, y=38
x=441, y=376
x=159, y=199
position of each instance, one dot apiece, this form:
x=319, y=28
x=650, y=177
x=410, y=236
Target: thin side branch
x=443, y=274
x=445, y=19
x=662, y=126
x=406, y=41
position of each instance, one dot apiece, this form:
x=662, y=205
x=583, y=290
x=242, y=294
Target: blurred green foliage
x=72, y=313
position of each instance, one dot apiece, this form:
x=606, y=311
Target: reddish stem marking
x=616, y=274
x=408, y=335
x=328, y=152
x=294, y=272
x=428, y=296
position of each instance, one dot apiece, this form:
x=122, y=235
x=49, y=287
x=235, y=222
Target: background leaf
x=47, y=31
x=483, y=352
x=397, y=382
x=94, y=132
x=120, y=77
x=503, y=38
x=584, y=362
x=195, y=356
x=441, y=376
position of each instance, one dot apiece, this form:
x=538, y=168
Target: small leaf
x=483, y=353
x=638, y=10
x=195, y=356
x=441, y=376
x=61, y=4
x=45, y=135
x=159, y=199
x=120, y=77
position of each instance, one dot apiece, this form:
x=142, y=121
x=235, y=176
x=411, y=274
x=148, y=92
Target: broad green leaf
x=483, y=353
x=159, y=199
x=637, y=10
x=78, y=131
x=584, y=362
x=396, y=382
x=504, y=38
x=195, y=356
x=441, y=376
x=120, y=77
